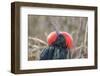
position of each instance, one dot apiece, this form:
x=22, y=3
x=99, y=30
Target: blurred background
x=39, y=27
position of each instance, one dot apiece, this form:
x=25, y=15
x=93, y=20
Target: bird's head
x=60, y=39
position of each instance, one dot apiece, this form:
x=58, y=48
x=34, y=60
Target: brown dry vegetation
x=40, y=26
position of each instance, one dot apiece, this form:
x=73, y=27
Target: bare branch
x=38, y=40
x=55, y=23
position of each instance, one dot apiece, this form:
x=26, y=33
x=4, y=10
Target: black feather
x=57, y=50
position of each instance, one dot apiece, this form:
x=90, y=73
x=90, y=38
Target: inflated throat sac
x=57, y=50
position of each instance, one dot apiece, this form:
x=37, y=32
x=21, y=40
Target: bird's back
x=57, y=50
